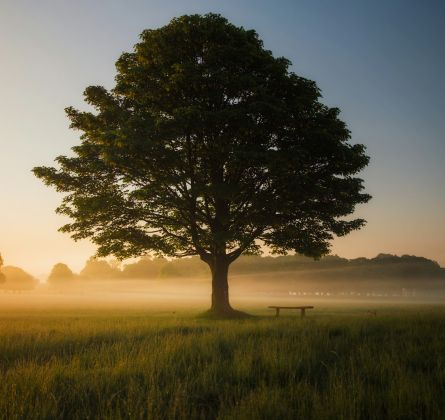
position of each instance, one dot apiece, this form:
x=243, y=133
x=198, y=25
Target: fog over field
x=167, y=287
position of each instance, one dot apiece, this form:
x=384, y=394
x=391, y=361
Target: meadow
x=133, y=362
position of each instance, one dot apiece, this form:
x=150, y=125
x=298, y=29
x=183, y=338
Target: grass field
x=338, y=363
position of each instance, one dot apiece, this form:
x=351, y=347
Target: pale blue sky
x=381, y=62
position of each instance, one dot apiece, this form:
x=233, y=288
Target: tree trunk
x=220, y=286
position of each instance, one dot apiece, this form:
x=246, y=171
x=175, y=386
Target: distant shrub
x=61, y=274
x=184, y=267
x=99, y=269
x=146, y=268
x=2, y=276
x=17, y=279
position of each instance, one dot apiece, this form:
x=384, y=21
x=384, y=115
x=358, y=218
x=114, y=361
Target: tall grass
x=327, y=366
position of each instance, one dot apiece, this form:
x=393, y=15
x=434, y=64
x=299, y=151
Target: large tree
x=208, y=145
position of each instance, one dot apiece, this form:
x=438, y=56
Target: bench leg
x=277, y=313
x=303, y=312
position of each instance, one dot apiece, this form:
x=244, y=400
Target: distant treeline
x=332, y=266
x=333, y=269
x=329, y=267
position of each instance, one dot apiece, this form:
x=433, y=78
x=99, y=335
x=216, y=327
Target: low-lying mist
x=170, y=286
x=179, y=294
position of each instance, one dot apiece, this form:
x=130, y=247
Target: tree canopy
x=2, y=276
x=208, y=145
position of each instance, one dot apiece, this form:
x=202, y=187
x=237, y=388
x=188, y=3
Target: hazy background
x=256, y=281
x=381, y=62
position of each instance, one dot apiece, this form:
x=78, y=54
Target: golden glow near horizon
x=389, y=98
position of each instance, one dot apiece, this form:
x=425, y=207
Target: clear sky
x=381, y=62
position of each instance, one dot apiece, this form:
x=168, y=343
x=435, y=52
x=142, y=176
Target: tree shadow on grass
x=230, y=315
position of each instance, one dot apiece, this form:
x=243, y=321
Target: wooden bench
x=301, y=308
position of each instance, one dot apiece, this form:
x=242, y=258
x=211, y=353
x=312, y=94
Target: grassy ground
x=332, y=365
